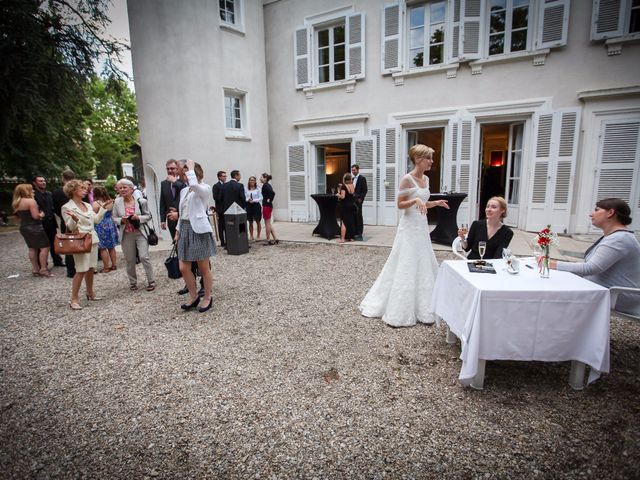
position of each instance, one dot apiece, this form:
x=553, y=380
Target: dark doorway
x=333, y=161
x=494, y=150
x=431, y=137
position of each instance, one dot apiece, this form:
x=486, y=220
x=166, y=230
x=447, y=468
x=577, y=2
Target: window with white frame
x=508, y=26
x=614, y=19
x=418, y=35
x=330, y=51
x=235, y=113
x=231, y=12
x=427, y=24
x=232, y=112
x=329, y=48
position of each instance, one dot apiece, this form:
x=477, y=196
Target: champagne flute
x=482, y=248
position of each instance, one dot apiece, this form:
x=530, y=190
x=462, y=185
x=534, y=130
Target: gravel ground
x=283, y=379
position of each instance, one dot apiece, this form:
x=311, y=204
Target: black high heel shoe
x=208, y=307
x=189, y=306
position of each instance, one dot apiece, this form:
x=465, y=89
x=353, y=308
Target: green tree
x=49, y=49
x=113, y=124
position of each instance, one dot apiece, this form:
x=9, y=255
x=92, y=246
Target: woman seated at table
x=490, y=230
x=614, y=259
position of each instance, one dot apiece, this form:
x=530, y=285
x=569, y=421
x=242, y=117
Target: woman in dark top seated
x=490, y=230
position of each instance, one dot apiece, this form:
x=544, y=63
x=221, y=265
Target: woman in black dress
x=490, y=230
x=348, y=209
x=26, y=208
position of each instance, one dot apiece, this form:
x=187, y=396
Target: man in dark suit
x=170, y=197
x=219, y=201
x=233, y=191
x=59, y=199
x=44, y=200
x=360, y=184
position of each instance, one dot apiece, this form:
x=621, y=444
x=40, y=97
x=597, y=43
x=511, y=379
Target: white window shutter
x=391, y=38
x=452, y=165
x=465, y=149
x=607, y=19
x=297, y=176
x=355, y=36
x=457, y=165
x=363, y=152
x=553, y=23
x=472, y=29
x=453, y=36
x=379, y=165
x=565, y=148
x=538, y=192
x=390, y=156
x=618, y=161
x=302, y=57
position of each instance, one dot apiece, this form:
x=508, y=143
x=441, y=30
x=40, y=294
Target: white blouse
x=255, y=194
x=184, y=207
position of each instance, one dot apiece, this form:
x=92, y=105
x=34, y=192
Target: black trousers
x=50, y=228
x=359, y=221
x=221, y=231
x=68, y=259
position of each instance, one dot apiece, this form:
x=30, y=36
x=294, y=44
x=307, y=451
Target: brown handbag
x=72, y=243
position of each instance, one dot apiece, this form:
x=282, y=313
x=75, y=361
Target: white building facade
x=535, y=100
x=201, y=91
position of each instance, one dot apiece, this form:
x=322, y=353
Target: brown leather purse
x=72, y=243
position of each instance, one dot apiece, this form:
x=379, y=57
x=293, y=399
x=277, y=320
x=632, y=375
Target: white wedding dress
x=402, y=293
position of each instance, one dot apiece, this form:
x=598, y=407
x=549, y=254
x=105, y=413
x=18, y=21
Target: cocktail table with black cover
x=328, y=225
x=447, y=228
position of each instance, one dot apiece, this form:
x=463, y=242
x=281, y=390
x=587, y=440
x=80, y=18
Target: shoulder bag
x=152, y=237
x=172, y=264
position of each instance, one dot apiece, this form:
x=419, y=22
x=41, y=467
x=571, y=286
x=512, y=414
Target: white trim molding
x=451, y=70
x=538, y=57
x=603, y=93
x=333, y=119
x=349, y=85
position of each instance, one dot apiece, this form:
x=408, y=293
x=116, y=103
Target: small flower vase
x=543, y=265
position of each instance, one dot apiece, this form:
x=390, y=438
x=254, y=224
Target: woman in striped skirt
x=194, y=235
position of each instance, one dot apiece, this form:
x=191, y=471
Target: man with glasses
x=170, y=196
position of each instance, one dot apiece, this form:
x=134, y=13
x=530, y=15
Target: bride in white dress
x=402, y=293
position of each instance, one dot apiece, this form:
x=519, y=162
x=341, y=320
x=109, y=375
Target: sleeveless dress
x=32, y=230
x=107, y=231
x=402, y=293
x=348, y=209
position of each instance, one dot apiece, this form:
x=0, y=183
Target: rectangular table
x=523, y=317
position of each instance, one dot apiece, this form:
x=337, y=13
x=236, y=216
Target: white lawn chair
x=614, y=292
x=457, y=249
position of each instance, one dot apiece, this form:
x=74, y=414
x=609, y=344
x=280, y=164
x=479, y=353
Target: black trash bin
x=235, y=228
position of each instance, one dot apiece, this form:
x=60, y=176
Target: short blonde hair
x=71, y=186
x=347, y=179
x=420, y=150
x=503, y=205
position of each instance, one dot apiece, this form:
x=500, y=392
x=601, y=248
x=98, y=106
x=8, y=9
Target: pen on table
x=529, y=266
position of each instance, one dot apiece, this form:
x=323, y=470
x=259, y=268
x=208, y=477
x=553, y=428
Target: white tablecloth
x=523, y=316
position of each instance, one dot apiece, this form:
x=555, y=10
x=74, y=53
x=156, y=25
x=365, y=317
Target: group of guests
x=256, y=200
x=351, y=194
x=401, y=292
